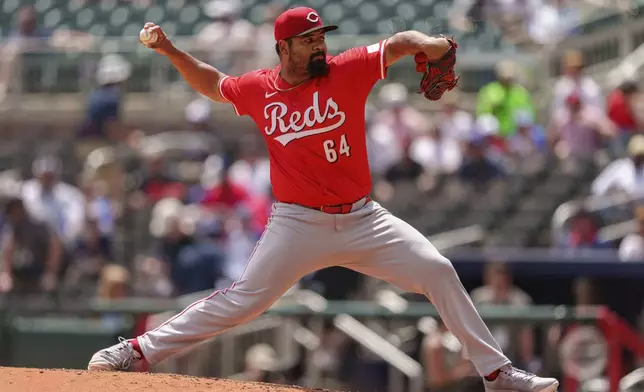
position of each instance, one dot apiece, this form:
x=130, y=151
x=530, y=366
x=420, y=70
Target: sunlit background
x=528, y=177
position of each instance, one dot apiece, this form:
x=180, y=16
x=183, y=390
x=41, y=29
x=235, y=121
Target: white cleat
x=511, y=379
x=118, y=357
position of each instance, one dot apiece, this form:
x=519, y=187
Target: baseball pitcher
x=310, y=111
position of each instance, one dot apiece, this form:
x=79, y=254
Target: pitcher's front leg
x=394, y=251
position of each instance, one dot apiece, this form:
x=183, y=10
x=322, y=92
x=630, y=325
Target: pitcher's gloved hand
x=438, y=75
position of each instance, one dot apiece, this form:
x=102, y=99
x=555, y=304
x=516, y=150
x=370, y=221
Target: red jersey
x=315, y=132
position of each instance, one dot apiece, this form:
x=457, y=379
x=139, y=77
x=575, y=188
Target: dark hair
x=629, y=87
x=289, y=41
x=12, y=204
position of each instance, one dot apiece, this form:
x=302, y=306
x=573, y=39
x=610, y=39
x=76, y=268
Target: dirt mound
x=45, y=380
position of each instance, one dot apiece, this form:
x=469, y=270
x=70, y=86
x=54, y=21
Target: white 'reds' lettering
x=277, y=112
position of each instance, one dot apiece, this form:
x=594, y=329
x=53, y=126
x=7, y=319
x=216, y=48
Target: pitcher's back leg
x=290, y=248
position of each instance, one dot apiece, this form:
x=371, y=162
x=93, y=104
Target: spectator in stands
x=226, y=194
x=252, y=169
x=154, y=183
x=529, y=138
x=103, y=115
x=99, y=207
x=192, y=265
x=446, y=368
x=584, y=231
x=93, y=252
x=437, y=152
x=621, y=107
x=498, y=289
x=393, y=128
x=574, y=82
x=262, y=365
x=49, y=200
x=624, y=175
x=504, y=97
x=585, y=294
x=32, y=256
x=114, y=285
x=552, y=21
x=407, y=169
x=477, y=167
x=240, y=242
x=632, y=246
x=228, y=39
x=30, y=36
x=453, y=122
x=199, y=113
x=578, y=129
x=487, y=127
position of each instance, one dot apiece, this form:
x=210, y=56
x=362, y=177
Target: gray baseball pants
x=298, y=241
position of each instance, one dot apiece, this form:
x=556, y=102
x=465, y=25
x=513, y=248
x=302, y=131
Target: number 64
x=330, y=149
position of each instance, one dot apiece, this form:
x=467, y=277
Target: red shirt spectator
x=226, y=194
x=619, y=107
x=260, y=207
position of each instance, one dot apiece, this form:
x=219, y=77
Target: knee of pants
x=435, y=268
x=236, y=312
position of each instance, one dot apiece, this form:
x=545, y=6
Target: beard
x=317, y=66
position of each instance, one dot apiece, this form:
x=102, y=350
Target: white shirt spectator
x=254, y=176
x=228, y=37
x=63, y=209
x=239, y=247
x=437, y=154
x=580, y=132
x=549, y=23
x=383, y=149
x=632, y=248
x=456, y=125
x=588, y=90
x=622, y=176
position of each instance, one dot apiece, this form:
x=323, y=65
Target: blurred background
x=126, y=196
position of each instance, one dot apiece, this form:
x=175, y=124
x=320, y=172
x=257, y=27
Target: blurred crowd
x=540, y=22
x=174, y=214
x=207, y=210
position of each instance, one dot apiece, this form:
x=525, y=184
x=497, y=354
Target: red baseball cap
x=299, y=21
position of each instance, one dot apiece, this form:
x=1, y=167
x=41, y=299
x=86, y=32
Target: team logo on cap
x=312, y=17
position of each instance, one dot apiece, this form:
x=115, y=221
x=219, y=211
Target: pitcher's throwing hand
x=310, y=110
x=153, y=37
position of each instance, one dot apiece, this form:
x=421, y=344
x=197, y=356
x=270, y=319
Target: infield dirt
x=45, y=380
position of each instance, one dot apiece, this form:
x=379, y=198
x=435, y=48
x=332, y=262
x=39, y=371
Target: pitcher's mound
x=45, y=380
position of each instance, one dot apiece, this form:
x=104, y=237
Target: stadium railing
x=619, y=207
x=32, y=338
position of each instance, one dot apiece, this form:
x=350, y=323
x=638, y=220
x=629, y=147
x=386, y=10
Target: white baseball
x=147, y=37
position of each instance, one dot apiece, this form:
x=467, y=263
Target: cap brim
x=323, y=28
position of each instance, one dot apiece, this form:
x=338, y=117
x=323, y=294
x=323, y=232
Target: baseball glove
x=438, y=75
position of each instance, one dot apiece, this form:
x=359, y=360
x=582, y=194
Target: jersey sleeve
x=234, y=88
x=367, y=63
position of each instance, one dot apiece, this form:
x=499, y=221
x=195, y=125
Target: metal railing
x=596, y=205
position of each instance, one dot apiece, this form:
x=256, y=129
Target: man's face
x=47, y=179
x=27, y=21
x=574, y=70
x=640, y=226
x=307, y=54
x=498, y=278
x=506, y=82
